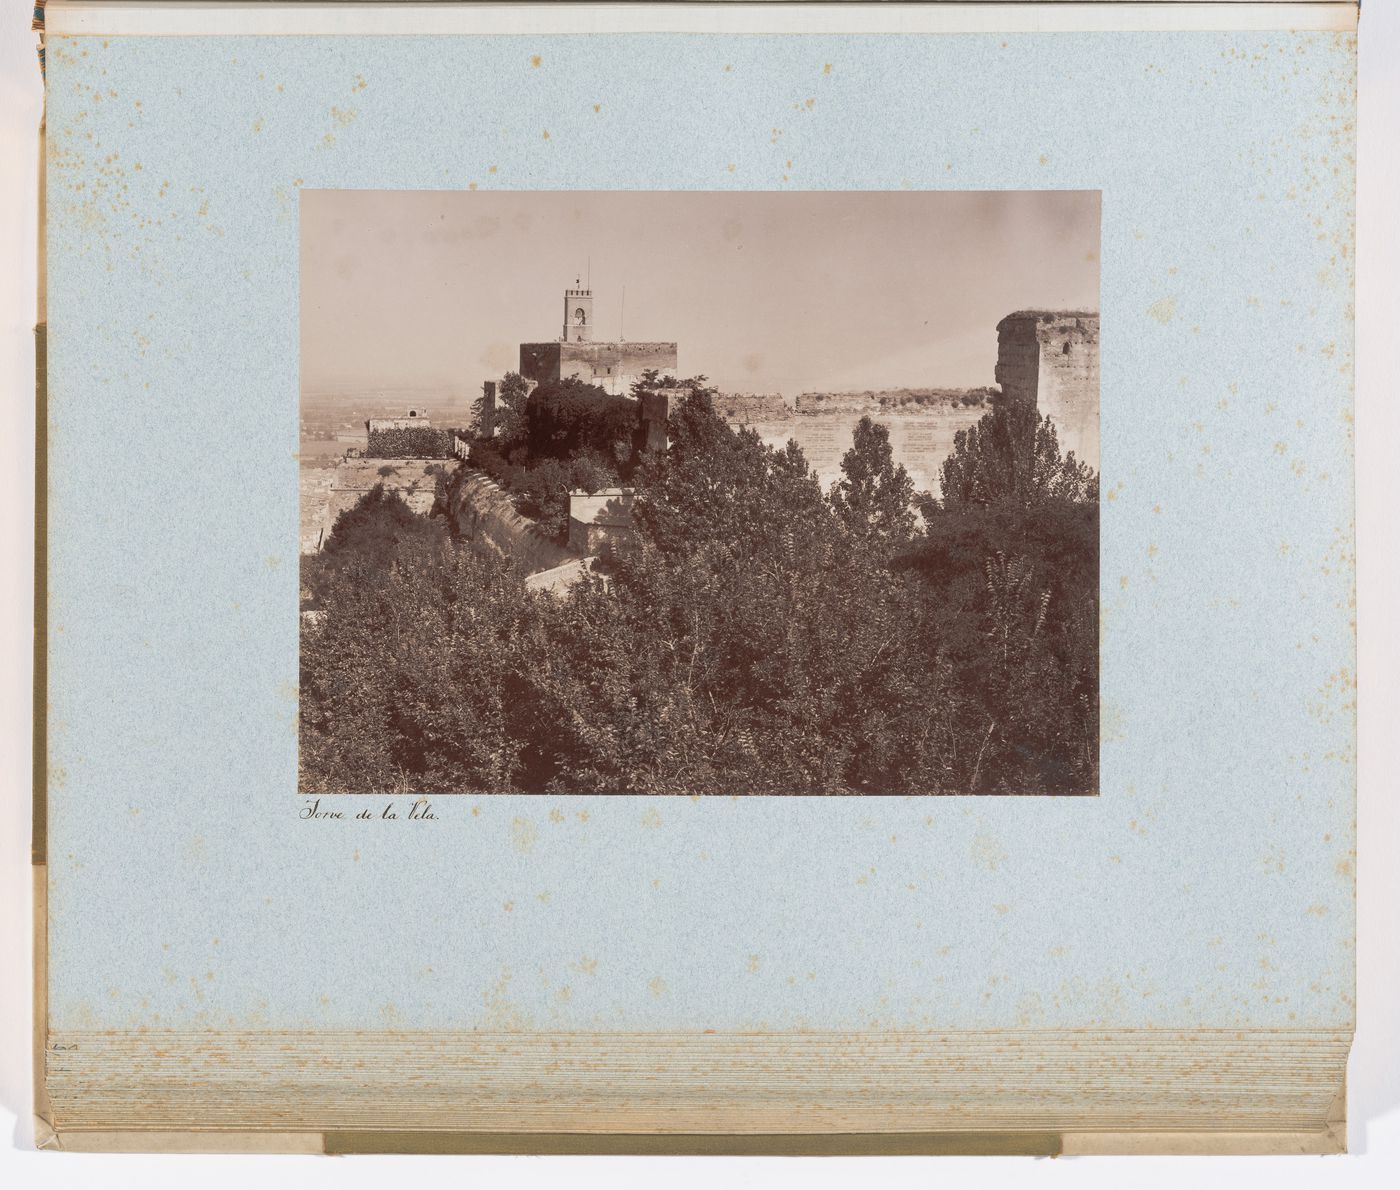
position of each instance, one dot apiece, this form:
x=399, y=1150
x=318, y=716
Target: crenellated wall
x=486, y=516
x=1051, y=358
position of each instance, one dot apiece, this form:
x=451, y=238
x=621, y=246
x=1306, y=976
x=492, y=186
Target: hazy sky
x=764, y=292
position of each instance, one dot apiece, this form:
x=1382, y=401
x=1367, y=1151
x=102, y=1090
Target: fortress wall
x=315, y=493
x=919, y=441
x=636, y=358
x=613, y=365
x=890, y=402
x=326, y=492
x=742, y=408
x=486, y=516
x=480, y=510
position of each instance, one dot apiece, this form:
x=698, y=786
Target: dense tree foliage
x=874, y=497
x=763, y=636
x=1011, y=555
x=364, y=538
x=566, y=417
x=556, y=438
x=1012, y=457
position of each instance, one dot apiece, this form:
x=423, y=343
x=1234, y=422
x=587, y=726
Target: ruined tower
x=651, y=433
x=578, y=315
x=1051, y=359
x=488, y=409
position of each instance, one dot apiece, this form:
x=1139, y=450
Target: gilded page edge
x=908, y=1144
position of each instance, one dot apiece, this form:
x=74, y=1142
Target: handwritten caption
x=419, y=811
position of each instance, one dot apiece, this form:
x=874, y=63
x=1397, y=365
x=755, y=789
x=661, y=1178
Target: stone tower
x=1051, y=359
x=611, y=364
x=578, y=315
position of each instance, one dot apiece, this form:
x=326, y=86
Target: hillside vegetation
x=763, y=637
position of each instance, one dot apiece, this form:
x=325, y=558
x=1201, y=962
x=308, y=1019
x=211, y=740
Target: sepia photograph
x=699, y=493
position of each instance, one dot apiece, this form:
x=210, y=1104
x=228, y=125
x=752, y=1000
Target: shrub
x=415, y=442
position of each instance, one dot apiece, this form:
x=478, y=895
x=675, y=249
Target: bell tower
x=578, y=314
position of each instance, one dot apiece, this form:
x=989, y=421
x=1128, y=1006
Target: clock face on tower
x=580, y=317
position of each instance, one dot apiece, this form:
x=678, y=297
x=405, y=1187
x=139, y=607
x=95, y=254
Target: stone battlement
x=891, y=402
x=1051, y=315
